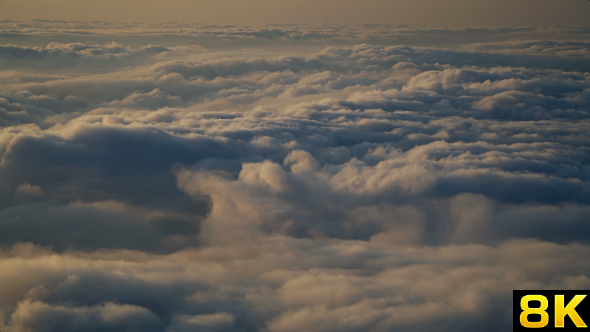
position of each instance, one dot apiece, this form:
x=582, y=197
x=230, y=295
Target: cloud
x=42, y=317
x=354, y=184
x=211, y=322
x=286, y=284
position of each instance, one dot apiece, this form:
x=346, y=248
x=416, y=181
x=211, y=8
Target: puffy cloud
x=279, y=283
x=351, y=185
x=39, y=316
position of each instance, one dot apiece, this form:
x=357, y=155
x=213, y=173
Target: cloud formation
x=356, y=187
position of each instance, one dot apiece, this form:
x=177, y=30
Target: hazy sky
x=434, y=12
x=175, y=177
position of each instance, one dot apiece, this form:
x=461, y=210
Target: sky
x=414, y=12
x=270, y=177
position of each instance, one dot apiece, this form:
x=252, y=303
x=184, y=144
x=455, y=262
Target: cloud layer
x=358, y=187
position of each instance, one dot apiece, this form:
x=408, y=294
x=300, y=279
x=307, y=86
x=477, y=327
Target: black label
x=549, y=310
